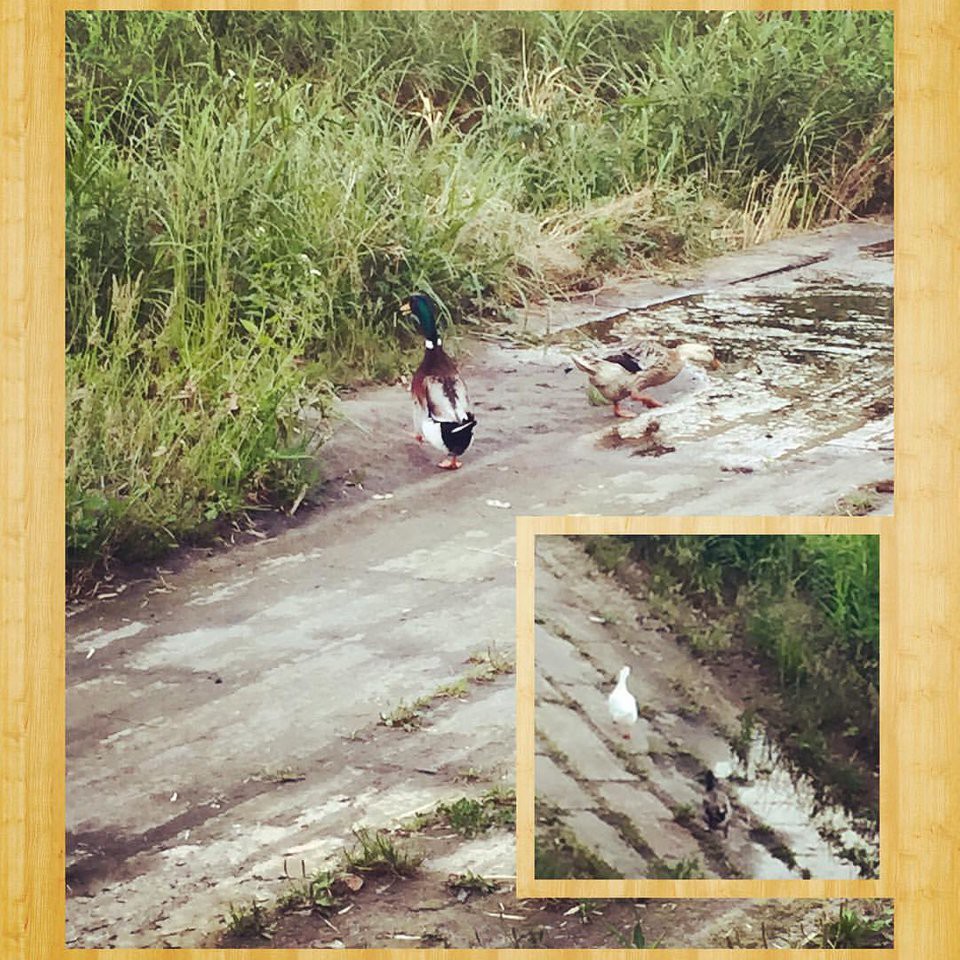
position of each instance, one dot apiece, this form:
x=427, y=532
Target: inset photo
x=707, y=706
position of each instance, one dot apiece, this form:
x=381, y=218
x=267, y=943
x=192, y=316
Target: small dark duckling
x=716, y=805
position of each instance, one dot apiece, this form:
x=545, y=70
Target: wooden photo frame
x=920, y=866
x=529, y=531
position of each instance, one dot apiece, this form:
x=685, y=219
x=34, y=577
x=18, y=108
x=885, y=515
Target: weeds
x=585, y=910
x=248, y=922
x=281, y=775
x=410, y=717
x=456, y=690
x=405, y=716
x=377, y=852
x=631, y=762
x=709, y=638
x=858, y=504
x=315, y=892
x=527, y=939
x=470, y=882
x=489, y=665
x=742, y=741
x=558, y=855
x=684, y=869
x=852, y=930
x=763, y=834
x=608, y=552
x=468, y=775
x=637, y=939
x=472, y=816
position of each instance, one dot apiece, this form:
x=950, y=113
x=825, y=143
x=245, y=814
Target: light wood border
x=528, y=530
x=925, y=666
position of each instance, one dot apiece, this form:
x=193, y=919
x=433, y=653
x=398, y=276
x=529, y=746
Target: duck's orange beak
x=405, y=307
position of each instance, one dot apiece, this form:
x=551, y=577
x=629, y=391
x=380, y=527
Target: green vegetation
x=808, y=607
x=316, y=892
x=637, y=939
x=455, y=690
x=410, y=716
x=852, y=930
x=250, y=923
x=858, y=504
x=249, y=195
x=558, y=855
x=377, y=852
x=742, y=740
x=609, y=552
x=280, y=775
x=489, y=664
x=471, y=882
x=683, y=869
x=406, y=716
x=765, y=835
x=471, y=816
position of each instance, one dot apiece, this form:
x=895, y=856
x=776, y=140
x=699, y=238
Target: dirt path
x=225, y=716
x=636, y=803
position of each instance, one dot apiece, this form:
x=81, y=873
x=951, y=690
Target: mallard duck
x=622, y=703
x=441, y=407
x=716, y=805
x=631, y=370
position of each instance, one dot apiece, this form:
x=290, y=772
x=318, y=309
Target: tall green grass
x=249, y=195
x=839, y=575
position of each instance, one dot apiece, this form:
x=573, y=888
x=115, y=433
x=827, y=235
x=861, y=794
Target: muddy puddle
x=825, y=840
x=817, y=323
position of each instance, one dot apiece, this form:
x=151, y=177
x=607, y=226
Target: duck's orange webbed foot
x=645, y=400
x=451, y=463
x=625, y=414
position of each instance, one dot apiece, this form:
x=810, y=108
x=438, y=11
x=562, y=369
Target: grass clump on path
x=852, y=928
x=471, y=816
x=377, y=852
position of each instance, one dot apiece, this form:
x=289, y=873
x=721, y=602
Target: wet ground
x=636, y=803
x=224, y=714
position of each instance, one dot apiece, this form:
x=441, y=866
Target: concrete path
x=225, y=716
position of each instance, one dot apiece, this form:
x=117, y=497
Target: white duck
x=622, y=703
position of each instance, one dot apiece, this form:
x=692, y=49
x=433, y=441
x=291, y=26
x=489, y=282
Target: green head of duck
x=424, y=310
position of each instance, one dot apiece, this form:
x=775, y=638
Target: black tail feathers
x=457, y=436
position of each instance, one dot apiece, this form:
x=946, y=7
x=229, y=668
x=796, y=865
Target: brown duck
x=625, y=374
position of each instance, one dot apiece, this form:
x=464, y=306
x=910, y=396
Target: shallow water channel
x=826, y=841
x=820, y=324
